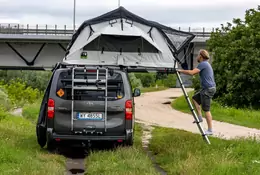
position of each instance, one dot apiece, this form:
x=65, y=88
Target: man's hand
x=190, y=72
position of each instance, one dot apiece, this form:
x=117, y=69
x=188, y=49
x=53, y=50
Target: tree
x=236, y=60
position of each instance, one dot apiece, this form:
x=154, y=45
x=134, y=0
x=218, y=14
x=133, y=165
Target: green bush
x=170, y=81
x=5, y=103
x=19, y=94
x=31, y=111
x=135, y=82
x=236, y=59
x=34, y=79
x=3, y=113
x=147, y=79
x=196, y=82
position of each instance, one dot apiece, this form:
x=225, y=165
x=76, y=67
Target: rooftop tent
x=122, y=38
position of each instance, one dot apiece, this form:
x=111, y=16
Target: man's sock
x=210, y=129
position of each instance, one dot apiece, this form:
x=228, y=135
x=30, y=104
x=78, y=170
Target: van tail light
x=51, y=105
x=128, y=110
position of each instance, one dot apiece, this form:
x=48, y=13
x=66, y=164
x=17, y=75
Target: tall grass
x=181, y=152
x=20, y=153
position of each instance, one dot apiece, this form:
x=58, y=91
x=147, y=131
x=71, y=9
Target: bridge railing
x=68, y=31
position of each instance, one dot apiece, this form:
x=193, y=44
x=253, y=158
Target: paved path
x=150, y=109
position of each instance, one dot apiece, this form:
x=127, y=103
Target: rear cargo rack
x=83, y=83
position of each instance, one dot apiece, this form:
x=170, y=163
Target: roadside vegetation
x=20, y=153
x=244, y=117
x=181, y=152
x=236, y=59
x=149, y=82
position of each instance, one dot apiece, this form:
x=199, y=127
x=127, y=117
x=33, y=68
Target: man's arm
x=190, y=72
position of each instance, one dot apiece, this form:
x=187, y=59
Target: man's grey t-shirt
x=206, y=75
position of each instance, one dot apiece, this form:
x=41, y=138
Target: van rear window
x=115, y=88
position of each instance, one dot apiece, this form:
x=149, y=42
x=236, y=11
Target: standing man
x=208, y=85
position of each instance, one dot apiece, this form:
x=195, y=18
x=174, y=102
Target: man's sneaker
x=200, y=120
x=209, y=132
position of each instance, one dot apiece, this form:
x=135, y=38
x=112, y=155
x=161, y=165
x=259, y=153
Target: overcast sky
x=184, y=13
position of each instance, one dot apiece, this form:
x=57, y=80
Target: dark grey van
x=87, y=104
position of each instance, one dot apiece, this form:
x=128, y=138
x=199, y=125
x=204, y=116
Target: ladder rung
x=108, y=88
x=88, y=88
x=90, y=73
x=89, y=81
x=89, y=68
x=110, y=82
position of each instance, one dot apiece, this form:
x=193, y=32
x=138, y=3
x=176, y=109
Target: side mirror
x=137, y=92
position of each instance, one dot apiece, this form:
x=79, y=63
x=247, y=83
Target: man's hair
x=204, y=54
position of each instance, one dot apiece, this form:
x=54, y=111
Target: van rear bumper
x=52, y=136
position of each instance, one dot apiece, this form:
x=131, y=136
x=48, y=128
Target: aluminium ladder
x=205, y=137
x=99, y=84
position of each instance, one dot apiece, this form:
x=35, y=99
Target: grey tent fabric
x=176, y=39
x=114, y=43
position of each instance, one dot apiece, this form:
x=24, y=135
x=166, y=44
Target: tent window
x=112, y=43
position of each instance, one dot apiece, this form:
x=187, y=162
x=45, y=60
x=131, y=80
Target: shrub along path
x=151, y=108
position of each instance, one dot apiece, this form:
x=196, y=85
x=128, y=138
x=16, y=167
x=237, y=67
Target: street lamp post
x=74, y=14
x=118, y=3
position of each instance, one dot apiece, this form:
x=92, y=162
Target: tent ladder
x=98, y=84
x=205, y=137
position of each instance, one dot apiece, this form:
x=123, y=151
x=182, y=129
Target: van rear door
x=89, y=105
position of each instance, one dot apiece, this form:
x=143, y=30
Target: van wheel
x=129, y=141
x=41, y=135
x=51, y=146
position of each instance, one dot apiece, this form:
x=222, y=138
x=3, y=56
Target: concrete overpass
x=40, y=49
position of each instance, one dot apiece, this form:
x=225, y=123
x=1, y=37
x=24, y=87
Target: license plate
x=89, y=116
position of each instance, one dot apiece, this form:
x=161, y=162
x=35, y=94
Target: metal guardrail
x=65, y=31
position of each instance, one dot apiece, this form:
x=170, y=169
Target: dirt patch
x=17, y=112
x=167, y=103
x=146, y=137
x=75, y=163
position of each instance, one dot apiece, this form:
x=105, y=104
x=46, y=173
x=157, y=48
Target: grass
x=31, y=111
x=123, y=160
x=153, y=89
x=243, y=117
x=181, y=152
x=20, y=153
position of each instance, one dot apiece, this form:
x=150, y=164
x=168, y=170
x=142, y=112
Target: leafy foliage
x=34, y=79
x=236, y=52
x=135, y=82
x=196, y=82
x=5, y=103
x=147, y=79
x=150, y=80
x=19, y=94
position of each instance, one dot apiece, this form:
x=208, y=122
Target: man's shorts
x=203, y=98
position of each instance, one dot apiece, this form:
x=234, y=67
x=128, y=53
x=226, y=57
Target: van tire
x=129, y=141
x=51, y=146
